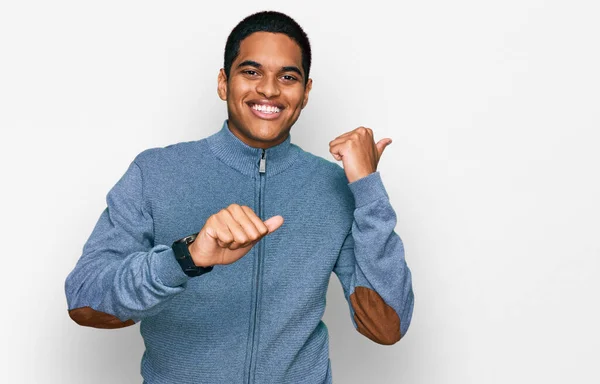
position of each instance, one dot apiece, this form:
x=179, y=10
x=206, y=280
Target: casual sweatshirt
x=257, y=320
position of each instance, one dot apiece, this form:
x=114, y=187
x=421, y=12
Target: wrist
x=198, y=260
x=184, y=257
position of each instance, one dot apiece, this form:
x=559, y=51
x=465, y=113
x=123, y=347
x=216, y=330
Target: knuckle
x=225, y=237
x=359, y=131
x=225, y=234
x=263, y=230
x=213, y=220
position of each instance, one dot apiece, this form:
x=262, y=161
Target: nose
x=268, y=87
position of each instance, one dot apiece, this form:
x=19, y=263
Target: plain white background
x=493, y=172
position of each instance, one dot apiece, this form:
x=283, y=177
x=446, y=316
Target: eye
x=249, y=72
x=289, y=78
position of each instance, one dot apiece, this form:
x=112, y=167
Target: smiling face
x=266, y=89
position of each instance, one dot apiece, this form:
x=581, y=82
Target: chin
x=267, y=130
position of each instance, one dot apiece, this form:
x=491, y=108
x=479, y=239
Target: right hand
x=229, y=234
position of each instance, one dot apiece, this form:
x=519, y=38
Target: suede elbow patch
x=374, y=318
x=89, y=317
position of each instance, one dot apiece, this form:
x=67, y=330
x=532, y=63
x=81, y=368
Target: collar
x=234, y=152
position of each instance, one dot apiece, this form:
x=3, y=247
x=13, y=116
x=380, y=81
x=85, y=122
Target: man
x=222, y=248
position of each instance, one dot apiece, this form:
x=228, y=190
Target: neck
x=236, y=153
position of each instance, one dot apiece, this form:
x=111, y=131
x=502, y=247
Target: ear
x=306, y=92
x=222, y=85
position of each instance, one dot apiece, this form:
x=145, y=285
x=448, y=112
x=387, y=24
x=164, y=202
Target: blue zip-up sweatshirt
x=257, y=320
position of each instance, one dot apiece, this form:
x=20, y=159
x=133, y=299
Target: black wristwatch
x=184, y=258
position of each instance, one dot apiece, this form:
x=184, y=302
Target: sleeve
x=371, y=267
x=122, y=276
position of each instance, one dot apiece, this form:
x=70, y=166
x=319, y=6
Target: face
x=265, y=91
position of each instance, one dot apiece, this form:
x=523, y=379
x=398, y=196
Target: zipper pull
x=263, y=162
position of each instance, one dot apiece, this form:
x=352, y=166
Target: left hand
x=358, y=152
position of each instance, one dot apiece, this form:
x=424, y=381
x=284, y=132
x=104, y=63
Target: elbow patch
x=89, y=317
x=374, y=318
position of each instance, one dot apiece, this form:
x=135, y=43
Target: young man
x=222, y=248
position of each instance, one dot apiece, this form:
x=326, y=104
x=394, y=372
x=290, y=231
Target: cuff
x=167, y=269
x=367, y=189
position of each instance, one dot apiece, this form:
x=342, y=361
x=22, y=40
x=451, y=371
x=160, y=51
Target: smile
x=265, y=111
x=266, y=108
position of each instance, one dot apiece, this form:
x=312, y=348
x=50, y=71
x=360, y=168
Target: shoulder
x=324, y=166
x=328, y=175
x=171, y=156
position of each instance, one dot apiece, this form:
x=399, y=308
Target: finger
x=224, y=237
x=273, y=223
x=347, y=140
x=258, y=223
x=218, y=231
x=338, y=151
x=239, y=214
x=364, y=130
x=342, y=138
x=339, y=140
x=223, y=244
x=382, y=144
x=239, y=234
x=345, y=136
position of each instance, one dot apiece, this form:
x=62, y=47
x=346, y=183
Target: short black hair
x=267, y=21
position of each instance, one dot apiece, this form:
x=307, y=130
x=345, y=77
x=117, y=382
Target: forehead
x=272, y=50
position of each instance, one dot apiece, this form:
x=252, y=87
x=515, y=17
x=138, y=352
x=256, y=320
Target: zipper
x=261, y=172
x=263, y=163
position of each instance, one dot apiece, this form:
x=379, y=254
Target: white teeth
x=265, y=108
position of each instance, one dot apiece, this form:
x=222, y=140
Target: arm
x=122, y=276
x=371, y=267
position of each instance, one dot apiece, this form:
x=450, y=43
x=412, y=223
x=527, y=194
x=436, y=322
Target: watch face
x=188, y=239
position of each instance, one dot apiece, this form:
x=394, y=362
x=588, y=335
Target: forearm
x=383, y=298
x=130, y=288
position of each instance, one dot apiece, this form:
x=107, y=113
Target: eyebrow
x=252, y=63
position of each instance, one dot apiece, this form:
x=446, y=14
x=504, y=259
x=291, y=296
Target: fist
x=229, y=234
x=358, y=152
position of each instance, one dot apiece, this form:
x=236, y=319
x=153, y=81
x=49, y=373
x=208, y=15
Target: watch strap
x=184, y=258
